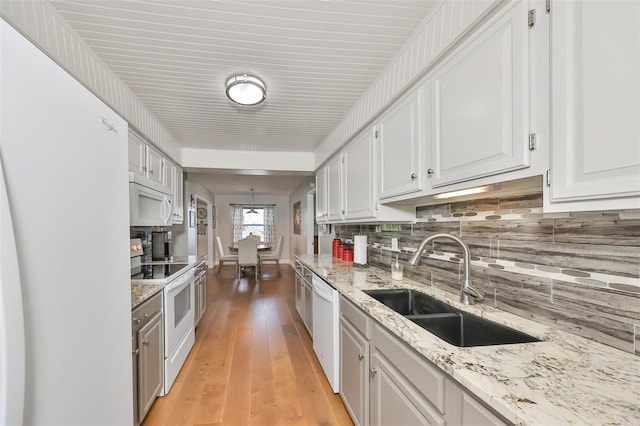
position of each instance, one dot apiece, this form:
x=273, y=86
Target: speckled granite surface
x=565, y=379
x=140, y=292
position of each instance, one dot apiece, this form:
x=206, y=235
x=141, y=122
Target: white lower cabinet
x=383, y=381
x=148, y=355
x=354, y=363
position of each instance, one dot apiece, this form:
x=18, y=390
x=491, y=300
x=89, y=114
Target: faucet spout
x=468, y=293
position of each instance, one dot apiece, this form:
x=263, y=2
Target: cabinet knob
x=360, y=357
x=373, y=371
x=146, y=342
x=137, y=320
x=431, y=172
x=342, y=211
x=414, y=176
x=136, y=352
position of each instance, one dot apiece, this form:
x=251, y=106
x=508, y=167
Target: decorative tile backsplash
x=576, y=271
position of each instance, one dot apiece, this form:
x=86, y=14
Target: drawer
x=147, y=310
x=355, y=316
x=427, y=378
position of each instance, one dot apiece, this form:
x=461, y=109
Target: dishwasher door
x=326, y=311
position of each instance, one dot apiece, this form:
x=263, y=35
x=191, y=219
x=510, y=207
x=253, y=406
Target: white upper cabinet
x=335, y=209
x=155, y=165
x=145, y=160
x=359, y=197
x=480, y=115
x=321, y=195
x=595, y=105
x=400, y=145
x=173, y=179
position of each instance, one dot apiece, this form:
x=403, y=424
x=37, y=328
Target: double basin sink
x=450, y=324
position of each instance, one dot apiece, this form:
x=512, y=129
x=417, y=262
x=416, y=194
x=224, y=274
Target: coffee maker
x=160, y=242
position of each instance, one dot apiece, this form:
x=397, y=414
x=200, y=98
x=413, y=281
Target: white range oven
x=179, y=327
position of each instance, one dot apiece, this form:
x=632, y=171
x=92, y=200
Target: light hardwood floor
x=252, y=363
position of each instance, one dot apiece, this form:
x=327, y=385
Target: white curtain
x=236, y=228
x=269, y=225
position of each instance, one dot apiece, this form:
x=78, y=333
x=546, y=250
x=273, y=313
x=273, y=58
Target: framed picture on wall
x=297, y=218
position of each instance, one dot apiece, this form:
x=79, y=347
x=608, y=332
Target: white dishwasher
x=326, y=314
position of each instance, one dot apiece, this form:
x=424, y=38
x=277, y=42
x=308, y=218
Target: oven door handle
x=180, y=282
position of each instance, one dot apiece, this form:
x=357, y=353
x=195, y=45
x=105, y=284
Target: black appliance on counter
x=160, y=242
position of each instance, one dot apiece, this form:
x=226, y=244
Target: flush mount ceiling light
x=245, y=89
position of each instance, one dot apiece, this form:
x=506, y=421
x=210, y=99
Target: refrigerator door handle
x=12, y=339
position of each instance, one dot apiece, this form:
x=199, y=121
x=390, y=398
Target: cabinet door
x=150, y=364
x=595, y=79
x=300, y=295
x=178, y=195
x=137, y=155
x=359, y=199
x=400, y=148
x=480, y=102
x=308, y=305
x=394, y=400
x=154, y=165
x=321, y=195
x=354, y=373
x=334, y=189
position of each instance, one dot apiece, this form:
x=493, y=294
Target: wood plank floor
x=252, y=363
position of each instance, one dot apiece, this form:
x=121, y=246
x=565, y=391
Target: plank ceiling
x=317, y=58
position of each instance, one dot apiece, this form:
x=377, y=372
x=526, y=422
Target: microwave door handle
x=169, y=209
x=168, y=204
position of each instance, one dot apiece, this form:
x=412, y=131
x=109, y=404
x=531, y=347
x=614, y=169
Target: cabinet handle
x=373, y=371
x=136, y=352
x=146, y=342
x=431, y=172
x=414, y=176
x=137, y=320
x=360, y=357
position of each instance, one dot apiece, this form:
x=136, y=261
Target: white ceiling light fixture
x=244, y=89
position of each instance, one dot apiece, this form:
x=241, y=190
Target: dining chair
x=248, y=255
x=273, y=255
x=222, y=257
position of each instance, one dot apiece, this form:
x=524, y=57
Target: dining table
x=261, y=247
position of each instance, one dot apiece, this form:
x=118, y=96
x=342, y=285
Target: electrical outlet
x=394, y=244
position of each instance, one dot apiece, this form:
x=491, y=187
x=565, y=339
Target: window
x=261, y=223
x=253, y=222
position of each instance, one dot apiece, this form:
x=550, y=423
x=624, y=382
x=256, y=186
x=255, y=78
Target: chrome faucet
x=468, y=293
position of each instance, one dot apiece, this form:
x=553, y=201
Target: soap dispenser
x=396, y=269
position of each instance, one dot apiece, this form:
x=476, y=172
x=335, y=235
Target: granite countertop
x=142, y=290
x=565, y=379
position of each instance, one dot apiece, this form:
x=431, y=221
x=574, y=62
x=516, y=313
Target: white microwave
x=150, y=204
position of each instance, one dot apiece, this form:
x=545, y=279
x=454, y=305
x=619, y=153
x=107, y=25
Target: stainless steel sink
x=452, y=325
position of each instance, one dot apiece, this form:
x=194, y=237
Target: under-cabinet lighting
x=469, y=191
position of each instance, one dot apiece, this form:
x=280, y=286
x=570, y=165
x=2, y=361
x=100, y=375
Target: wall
x=282, y=217
x=298, y=243
x=185, y=238
x=579, y=272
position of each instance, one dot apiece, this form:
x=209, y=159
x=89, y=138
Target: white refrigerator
x=65, y=293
